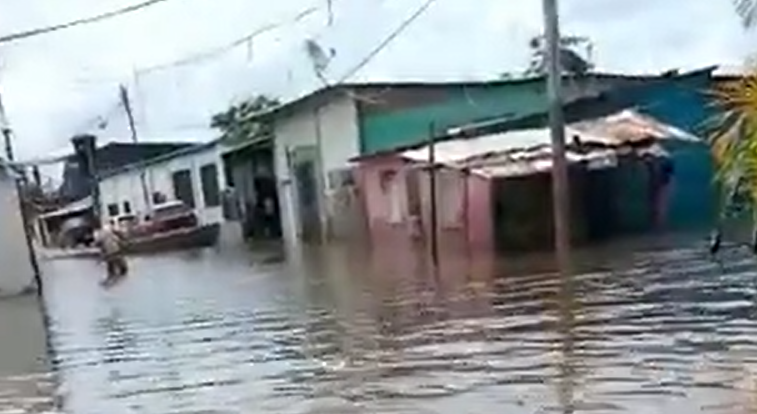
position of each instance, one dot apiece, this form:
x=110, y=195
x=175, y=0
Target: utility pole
x=130, y=117
x=560, y=195
x=434, y=208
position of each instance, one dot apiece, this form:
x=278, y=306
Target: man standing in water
x=110, y=242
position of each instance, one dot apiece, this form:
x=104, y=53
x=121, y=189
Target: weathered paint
x=126, y=186
x=684, y=104
x=18, y=272
x=464, y=216
x=330, y=128
x=409, y=117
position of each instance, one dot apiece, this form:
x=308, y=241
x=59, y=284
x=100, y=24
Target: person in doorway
x=110, y=240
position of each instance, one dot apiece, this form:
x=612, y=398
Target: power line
x=387, y=41
x=247, y=39
x=87, y=20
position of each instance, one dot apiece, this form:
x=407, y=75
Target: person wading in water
x=110, y=242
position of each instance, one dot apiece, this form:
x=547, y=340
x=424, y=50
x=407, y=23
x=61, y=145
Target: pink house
x=396, y=194
x=396, y=188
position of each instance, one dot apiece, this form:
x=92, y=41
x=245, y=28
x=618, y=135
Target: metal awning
x=75, y=207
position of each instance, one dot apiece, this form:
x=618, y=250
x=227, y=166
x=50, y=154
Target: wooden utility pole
x=434, y=213
x=134, y=138
x=560, y=194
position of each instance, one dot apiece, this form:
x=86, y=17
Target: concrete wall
x=330, y=128
x=127, y=186
x=17, y=272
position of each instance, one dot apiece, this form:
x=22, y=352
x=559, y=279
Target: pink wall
x=464, y=211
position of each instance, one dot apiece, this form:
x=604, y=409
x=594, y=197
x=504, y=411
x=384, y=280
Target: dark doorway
x=250, y=171
x=182, y=187
x=304, y=169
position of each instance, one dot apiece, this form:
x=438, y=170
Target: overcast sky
x=56, y=85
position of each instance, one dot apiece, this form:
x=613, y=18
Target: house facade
x=109, y=157
x=494, y=193
x=317, y=135
x=191, y=175
x=313, y=146
x=18, y=271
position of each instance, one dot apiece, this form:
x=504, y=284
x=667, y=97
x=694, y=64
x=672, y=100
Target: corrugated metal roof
x=449, y=152
x=536, y=160
x=629, y=126
x=623, y=128
x=75, y=207
x=524, y=152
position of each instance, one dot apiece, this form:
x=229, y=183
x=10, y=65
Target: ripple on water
x=28, y=394
x=667, y=329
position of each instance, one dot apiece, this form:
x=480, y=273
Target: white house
x=18, y=271
x=314, y=140
x=193, y=175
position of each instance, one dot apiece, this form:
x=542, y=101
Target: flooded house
x=316, y=136
x=76, y=189
x=191, y=175
x=492, y=192
x=18, y=273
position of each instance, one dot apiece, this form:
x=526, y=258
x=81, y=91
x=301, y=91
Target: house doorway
x=304, y=169
x=250, y=172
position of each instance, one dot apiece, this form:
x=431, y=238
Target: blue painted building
x=678, y=100
x=684, y=103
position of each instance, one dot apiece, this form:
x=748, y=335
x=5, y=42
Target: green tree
x=239, y=122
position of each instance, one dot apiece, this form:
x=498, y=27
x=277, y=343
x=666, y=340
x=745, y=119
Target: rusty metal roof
x=527, y=151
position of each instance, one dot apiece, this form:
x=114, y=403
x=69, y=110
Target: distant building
x=110, y=157
x=18, y=271
x=191, y=174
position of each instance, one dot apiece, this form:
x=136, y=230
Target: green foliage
x=734, y=141
x=240, y=122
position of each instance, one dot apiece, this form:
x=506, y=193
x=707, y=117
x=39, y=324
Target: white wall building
x=193, y=175
x=17, y=274
x=313, y=142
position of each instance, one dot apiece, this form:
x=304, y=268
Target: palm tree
x=747, y=11
x=734, y=137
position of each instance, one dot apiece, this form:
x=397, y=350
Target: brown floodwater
x=642, y=327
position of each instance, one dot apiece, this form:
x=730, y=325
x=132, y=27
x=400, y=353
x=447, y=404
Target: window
x=113, y=210
x=159, y=198
x=182, y=187
x=210, y=191
x=391, y=186
x=127, y=207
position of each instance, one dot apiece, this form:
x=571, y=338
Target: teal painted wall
x=408, y=126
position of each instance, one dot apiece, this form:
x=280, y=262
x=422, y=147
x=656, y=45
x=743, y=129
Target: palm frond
x=747, y=11
x=734, y=138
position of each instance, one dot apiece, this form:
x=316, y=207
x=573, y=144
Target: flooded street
x=668, y=330
x=25, y=383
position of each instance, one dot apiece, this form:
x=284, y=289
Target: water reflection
x=340, y=331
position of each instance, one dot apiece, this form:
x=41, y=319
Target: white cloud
x=55, y=85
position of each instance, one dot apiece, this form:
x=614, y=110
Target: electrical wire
x=387, y=41
x=78, y=22
x=247, y=39
x=375, y=52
